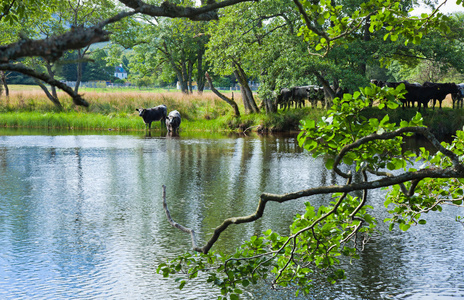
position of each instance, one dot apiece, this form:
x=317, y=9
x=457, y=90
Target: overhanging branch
x=53, y=48
x=77, y=99
x=167, y=9
x=368, y=185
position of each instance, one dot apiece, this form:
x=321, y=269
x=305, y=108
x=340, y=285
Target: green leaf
x=329, y=163
x=234, y=297
x=392, y=105
x=404, y=226
x=387, y=202
x=182, y=284
x=391, y=226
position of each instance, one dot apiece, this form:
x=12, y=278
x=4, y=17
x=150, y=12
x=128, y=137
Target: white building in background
x=120, y=73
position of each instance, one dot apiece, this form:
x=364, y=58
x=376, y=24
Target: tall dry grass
x=192, y=106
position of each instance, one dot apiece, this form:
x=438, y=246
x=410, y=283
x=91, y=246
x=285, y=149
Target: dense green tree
x=96, y=68
x=263, y=41
x=163, y=48
x=437, y=56
x=79, y=37
x=238, y=44
x=79, y=13
x=56, y=19
x=170, y=46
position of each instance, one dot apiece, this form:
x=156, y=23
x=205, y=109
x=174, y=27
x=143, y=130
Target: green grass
x=69, y=120
x=114, y=109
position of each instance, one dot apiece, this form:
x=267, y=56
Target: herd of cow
x=297, y=95
x=423, y=94
x=416, y=94
x=159, y=113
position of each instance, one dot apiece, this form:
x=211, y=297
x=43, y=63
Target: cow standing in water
x=173, y=121
x=149, y=115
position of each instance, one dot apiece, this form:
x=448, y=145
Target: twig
x=177, y=225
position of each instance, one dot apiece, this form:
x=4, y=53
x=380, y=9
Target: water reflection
x=81, y=217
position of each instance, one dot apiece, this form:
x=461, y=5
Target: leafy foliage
x=323, y=238
x=318, y=241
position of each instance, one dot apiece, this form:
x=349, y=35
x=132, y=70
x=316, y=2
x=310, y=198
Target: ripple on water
x=81, y=218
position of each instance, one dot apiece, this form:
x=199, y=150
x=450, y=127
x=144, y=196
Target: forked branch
x=368, y=185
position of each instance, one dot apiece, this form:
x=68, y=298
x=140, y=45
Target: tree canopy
x=328, y=42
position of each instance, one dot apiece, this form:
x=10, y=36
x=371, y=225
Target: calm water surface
x=81, y=218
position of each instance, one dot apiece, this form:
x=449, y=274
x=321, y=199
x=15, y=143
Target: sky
x=449, y=7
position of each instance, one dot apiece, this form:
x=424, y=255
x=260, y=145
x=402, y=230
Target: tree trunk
x=189, y=76
x=247, y=94
x=328, y=91
x=231, y=102
x=4, y=84
x=200, y=79
x=54, y=100
x=366, y=38
x=269, y=101
x=246, y=103
x=49, y=67
x=80, y=56
x=269, y=105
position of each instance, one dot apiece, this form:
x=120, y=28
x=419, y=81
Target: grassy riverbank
x=27, y=107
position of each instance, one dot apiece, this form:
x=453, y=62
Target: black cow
x=173, y=121
x=299, y=95
x=415, y=93
x=283, y=99
x=409, y=97
x=149, y=115
x=441, y=91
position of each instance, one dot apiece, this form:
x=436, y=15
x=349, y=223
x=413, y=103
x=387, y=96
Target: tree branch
x=368, y=185
x=231, y=102
x=168, y=9
x=77, y=99
x=53, y=48
x=390, y=135
x=177, y=225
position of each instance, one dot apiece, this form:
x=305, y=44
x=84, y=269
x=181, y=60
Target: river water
x=81, y=217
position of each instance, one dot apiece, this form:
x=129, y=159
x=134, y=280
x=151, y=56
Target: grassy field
x=115, y=109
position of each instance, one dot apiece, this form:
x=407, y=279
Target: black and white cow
x=149, y=115
x=173, y=121
x=459, y=96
